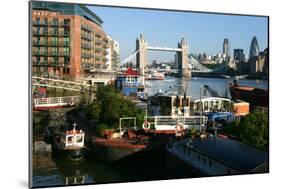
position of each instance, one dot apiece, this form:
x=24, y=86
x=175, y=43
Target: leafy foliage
x=252, y=129
x=110, y=105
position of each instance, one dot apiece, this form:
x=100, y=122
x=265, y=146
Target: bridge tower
x=182, y=59
x=141, y=46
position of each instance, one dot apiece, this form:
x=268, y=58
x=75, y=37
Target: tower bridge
x=186, y=62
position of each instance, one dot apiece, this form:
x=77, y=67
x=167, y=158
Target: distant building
x=254, y=48
x=113, y=55
x=67, y=40
x=238, y=56
x=226, y=47
x=260, y=63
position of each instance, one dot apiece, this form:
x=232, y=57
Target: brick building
x=67, y=40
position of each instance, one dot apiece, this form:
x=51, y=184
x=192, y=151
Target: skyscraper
x=226, y=47
x=254, y=48
x=238, y=56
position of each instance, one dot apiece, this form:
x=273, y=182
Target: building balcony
x=40, y=63
x=86, y=28
x=86, y=55
x=53, y=54
x=36, y=23
x=98, y=42
x=85, y=46
x=86, y=36
x=64, y=43
x=62, y=23
x=52, y=23
x=98, y=50
x=53, y=43
x=87, y=65
x=64, y=33
x=64, y=54
x=98, y=35
x=40, y=43
x=53, y=33
x=39, y=33
x=40, y=53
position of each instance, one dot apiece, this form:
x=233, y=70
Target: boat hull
x=254, y=96
x=115, y=149
x=73, y=154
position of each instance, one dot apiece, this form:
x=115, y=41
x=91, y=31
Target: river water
x=49, y=171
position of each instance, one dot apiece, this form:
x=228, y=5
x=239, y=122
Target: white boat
x=155, y=76
x=70, y=144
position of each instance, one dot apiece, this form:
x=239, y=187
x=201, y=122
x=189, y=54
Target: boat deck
x=120, y=142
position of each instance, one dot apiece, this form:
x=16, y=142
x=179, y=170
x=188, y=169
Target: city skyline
x=204, y=32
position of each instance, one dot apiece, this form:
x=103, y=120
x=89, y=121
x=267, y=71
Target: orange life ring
x=146, y=125
x=179, y=127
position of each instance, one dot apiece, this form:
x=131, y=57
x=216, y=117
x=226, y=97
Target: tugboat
x=70, y=144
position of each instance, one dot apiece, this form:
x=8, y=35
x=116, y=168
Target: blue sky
x=203, y=32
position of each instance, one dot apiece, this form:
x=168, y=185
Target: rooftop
x=68, y=9
x=131, y=72
x=234, y=154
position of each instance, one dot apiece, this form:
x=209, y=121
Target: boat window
x=70, y=139
x=185, y=101
x=79, y=138
x=206, y=106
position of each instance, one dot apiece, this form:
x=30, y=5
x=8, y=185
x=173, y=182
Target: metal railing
x=56, y=101
x=169, y=122
x=60, y=84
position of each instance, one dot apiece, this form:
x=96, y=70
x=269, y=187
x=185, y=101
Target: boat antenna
x=74, y=126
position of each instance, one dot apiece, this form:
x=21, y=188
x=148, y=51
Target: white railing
x=56, y=101
x=169, y=122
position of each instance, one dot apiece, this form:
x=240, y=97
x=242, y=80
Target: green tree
x=110, y=105
x=252, y=129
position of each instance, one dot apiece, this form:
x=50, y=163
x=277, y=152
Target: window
x=66, y=21
x=70, y=140
x=79, y=139
x=37, y=20
x=45, y=21
x=199, y=158
x=56, y=21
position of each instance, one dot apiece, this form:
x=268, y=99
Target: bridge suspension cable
x=129, y=58
x=197, y=66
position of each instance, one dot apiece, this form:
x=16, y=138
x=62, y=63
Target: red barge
x=255, y=96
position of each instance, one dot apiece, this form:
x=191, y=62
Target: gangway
x=60, y=84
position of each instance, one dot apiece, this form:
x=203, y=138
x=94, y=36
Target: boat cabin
x=172, y=105
x=74, y=138
x=212, y=104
